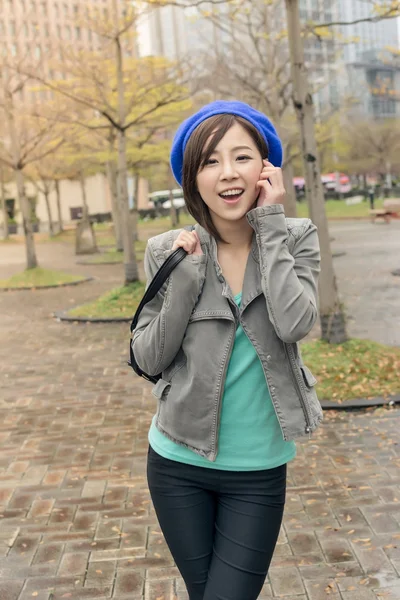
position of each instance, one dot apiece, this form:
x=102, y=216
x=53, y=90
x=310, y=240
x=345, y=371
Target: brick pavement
x=75, y=516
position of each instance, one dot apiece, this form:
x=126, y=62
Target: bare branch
x=373, y=19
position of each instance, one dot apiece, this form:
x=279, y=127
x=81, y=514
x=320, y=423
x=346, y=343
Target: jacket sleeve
x=289, y=280
x=163, y=321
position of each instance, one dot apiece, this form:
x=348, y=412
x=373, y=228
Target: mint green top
x=250, y=437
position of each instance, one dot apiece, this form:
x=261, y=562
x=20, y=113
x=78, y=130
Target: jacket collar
x=252, y=277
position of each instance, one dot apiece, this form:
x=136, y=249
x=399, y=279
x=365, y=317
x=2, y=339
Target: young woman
x=223, y=332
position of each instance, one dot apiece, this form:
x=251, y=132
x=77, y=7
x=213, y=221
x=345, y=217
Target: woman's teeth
x=231, y=194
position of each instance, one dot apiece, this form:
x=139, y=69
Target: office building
x=372, y=80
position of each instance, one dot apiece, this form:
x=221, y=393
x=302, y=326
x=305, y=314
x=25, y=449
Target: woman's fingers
x=274, y=174
x=187, y=240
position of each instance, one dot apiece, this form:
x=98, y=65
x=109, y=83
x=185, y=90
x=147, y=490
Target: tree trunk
x=333, y=328
x=130, y=263
x=290, y=196
x=85, y=211
x=31, y=260
x=48, y=208
x=59, y=214
x=112, y=182
x=172, y=211
x=4, y=210
x=135, y=212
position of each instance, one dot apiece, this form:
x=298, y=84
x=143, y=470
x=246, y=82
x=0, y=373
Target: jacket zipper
x=215, y=449
x=266, y=381
x=288, y=353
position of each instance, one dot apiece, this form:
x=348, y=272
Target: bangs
x=211, y=132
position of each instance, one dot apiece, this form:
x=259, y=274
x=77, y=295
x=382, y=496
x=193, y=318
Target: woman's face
x=227, y=182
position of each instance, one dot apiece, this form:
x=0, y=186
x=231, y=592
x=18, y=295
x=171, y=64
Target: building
x=33, y=29
x=321, y=55
x=177, y=33
x=372, y=74
x=98, y=199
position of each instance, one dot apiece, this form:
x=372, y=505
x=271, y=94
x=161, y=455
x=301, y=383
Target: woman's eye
x=243, y=157
x=210, y=161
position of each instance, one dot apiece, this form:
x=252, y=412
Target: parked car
x=162, y=198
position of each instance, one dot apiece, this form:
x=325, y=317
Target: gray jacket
x=187, y=331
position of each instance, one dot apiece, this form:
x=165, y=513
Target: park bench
x=390, y=209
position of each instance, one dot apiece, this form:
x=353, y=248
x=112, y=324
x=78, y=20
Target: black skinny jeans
x=220, y=526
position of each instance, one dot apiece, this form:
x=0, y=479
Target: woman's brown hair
x=195, y=158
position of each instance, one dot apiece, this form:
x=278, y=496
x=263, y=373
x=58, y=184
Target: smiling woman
x=234, y=393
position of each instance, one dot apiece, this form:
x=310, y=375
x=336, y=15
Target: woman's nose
x=228, y=170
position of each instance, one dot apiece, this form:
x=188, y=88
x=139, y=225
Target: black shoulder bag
x=157, y=282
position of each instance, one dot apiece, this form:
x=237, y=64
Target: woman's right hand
x=189, y=241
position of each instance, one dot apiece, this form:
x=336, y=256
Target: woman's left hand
x=271, y=184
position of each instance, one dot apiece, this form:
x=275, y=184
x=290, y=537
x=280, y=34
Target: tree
x=333, y=328
x=26, y=139
x=5, y=176
x=45, y=186
x=372, y=147
x=99, y=83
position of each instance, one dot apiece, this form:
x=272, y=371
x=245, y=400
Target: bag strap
x=160, y=278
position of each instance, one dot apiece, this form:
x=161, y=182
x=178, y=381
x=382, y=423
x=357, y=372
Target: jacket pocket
x=308, y=377
x=312, y=398
x=161, y=389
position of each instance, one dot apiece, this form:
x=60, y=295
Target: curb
x=91, y=264
x=46, y=287
x=62, y=315
x=360, y=403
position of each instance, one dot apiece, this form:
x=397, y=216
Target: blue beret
x=255, y=117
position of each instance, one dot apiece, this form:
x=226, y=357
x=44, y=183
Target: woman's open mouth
x=231, y=196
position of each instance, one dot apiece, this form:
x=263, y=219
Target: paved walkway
x=76, y=521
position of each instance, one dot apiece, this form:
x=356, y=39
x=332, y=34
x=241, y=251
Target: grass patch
x=39, y=277
x=339, y=209
x=10, y=240
x=113, y=256
x=105, y=240
x=164, y=223
x=355, y=369
x=102, y=226
x=119, y=302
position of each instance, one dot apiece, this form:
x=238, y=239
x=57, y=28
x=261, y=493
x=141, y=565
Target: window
x=38, y=52
x=78, y=33
x=46, y=30
x=26, y=29
x=65, y=9
x=68, y=32
x=14, y=50
x=12, y=27
x=44, y=8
